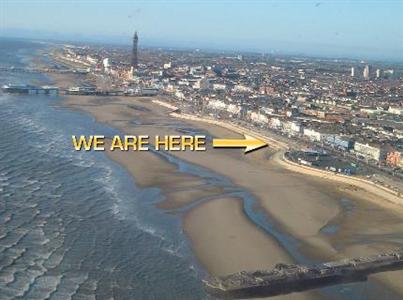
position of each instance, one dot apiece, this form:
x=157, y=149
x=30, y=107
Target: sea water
x=74, y=225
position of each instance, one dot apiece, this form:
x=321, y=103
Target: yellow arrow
x=249, y=143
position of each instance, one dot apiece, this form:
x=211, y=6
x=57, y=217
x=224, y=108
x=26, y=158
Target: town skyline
x=160, y=154
x=325, y=29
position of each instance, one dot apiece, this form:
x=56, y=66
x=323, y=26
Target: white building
x=316, y=135
x=92, y=60
x=234, y=109
x=242, y=88
x=293, y=128
x=217, y=104
x=257, y=117
x=219, y=87
x=179, y=95
x=312, y=134
x=105, y=63
x=369, y=152
x=275, y=123
x=395, y=110
x=365, y=73
x=289, y=128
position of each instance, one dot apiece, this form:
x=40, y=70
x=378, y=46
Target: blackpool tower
x=134, y=51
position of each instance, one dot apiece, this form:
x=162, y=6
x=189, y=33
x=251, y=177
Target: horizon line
x=119, y=40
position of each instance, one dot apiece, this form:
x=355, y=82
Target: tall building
x=105, y=64
x=352, y=72
x=388, y=73
x=134, y=51
x=365, y=73
x=378, y=73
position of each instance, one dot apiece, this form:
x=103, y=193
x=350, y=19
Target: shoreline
x=371, y=187
x=359, y=182
x=302, y=219
x=250, y=237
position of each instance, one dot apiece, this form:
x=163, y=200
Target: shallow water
x=74, y=225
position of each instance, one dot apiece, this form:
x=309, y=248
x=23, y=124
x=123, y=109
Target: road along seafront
x=300, y=206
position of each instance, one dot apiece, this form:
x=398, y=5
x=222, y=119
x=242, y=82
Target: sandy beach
x=223, y=238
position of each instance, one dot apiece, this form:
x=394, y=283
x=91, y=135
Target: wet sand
x=251, y=249
x=302, y=206
x=225, y=247
x=150, y=170
x=287, y=194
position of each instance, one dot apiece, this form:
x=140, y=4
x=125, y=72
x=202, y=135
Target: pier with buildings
x=76, y=90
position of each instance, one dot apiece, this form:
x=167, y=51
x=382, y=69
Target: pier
x=30, y=89
x=285, y=279
x=77, y=91
x=40, y=70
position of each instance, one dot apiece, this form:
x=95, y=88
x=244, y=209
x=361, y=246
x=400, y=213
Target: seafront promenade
x=281, y=147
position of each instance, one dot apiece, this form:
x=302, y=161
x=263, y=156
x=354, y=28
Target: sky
x=367, y=29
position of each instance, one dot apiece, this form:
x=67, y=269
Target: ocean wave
x=77, y=219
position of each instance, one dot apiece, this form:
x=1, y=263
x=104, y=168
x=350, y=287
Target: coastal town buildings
x=324, y=102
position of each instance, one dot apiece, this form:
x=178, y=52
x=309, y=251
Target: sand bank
x=224, y=250
x=299, y=205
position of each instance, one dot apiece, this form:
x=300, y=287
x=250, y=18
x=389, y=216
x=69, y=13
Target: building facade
x=369, y=152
